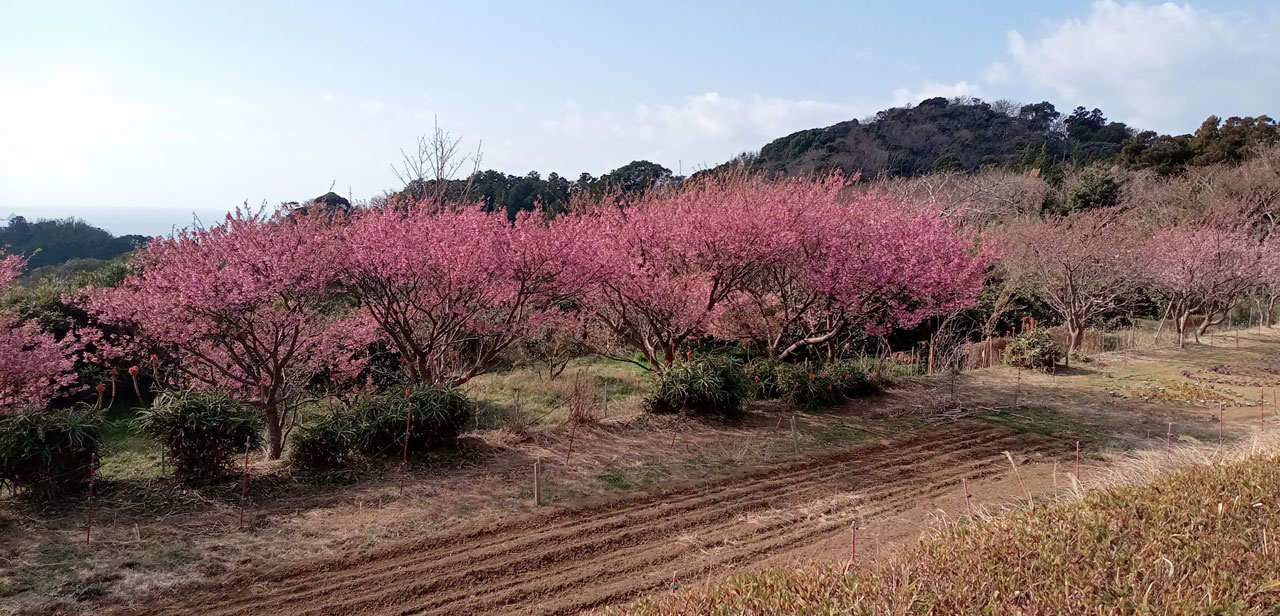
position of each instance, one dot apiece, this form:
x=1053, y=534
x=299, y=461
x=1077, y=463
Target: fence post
x=795, y=436
x=537, y=482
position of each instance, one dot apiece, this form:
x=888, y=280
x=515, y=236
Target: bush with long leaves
x=439, y=415
x=46, y=454
x=202, y=430
x=701, y=386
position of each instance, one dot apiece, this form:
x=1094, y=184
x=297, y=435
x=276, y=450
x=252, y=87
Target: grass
x=527, y=396
x=632, y=477
x=1197, y=541
x=47, y=572
x=126, y=452
x=1094, y=429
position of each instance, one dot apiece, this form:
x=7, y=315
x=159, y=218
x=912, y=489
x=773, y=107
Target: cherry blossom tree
x=34, y=366
x=1080, y=265
x=1202, y=270
x=786, y=264
x=669, y=262
x=451, y=290
x=1269, y=279
x=243, y=305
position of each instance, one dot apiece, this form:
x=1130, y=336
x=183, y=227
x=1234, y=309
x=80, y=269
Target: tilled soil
x=568, y=560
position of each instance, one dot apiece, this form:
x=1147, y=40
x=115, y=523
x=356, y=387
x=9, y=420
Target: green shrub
x=765, y=375
x=701, y=386
x=46, y=454
x=828, y=385
x=1033, y=349
x=439, y=414
x=854, y=379
x=201, y=430
x=326, y=443
x=811, y=388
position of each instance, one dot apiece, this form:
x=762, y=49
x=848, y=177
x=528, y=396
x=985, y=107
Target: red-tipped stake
x=1168, y=443
x=674, y=585
x=244, y=481
x=404, y=457
x=853, y=546
x=88, y=529
x=1077, y=461
x=964, y=482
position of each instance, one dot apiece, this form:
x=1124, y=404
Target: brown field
x=641, y=498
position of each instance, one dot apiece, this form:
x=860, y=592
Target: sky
x=136, y=115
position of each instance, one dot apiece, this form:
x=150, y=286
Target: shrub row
x=375, y=426
x=720, y=385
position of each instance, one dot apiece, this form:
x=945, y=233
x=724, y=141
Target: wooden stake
x=930, y=354
x=1168, y=443
x=574, y=431
x=795, y=436
x=964, y=483
x=244, y=481
x=853, y=542
x=88, y=529
x=1077, y=461
x=408, y=420
x=1221, y=407
x=674, y=584
x=537, y=481
x=1018, y=389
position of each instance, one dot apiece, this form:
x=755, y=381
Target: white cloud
x=705, y=129
x=1163, y=66
x=932, y=89
x=997, y=73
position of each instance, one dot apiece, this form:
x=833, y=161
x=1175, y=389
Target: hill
x=968, y=134
x=63, y=246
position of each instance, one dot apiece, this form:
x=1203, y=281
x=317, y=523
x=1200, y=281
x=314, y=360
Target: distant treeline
x=937, y=135
x=63, y=246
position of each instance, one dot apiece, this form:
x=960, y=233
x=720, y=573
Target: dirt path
x=572, y=559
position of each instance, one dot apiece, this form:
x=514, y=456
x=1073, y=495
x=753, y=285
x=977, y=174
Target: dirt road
x=572, y=559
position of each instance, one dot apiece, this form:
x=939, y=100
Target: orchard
x=283, y=310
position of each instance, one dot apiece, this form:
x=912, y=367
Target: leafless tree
x=427, y=170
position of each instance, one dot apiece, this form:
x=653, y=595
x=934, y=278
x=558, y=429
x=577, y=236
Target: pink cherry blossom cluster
x=34, y=366
x=1203, y=269
x=784, y=264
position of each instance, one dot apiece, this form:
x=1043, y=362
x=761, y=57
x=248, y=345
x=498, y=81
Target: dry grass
x=1189, y=531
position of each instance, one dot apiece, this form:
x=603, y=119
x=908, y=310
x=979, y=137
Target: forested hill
x=968, y=134
x=48, y=243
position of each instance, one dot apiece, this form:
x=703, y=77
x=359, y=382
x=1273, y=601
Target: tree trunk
x=1181, y=322
x=275, y=432
x=1075, y=334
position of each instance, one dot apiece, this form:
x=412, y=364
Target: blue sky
x=134, y=115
